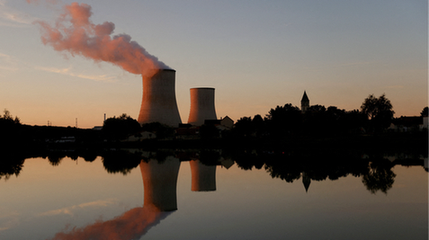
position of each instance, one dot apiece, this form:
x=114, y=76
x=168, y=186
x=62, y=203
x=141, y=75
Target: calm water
x=172, y=199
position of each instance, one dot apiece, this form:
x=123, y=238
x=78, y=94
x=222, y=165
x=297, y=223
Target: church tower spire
x=305, y=102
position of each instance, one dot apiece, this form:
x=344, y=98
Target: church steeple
x=306, y=180
x=305, y=102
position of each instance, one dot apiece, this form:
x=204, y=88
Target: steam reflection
x=159, y=175
x=131, y=225
x=160, y=171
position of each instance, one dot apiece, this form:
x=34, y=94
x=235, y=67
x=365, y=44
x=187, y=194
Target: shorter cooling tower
x=159, y=99
x=203, y=176
x=202, y=106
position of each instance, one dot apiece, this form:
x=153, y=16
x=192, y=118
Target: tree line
x=287, y=121
x=375, y=170
x=374, y=116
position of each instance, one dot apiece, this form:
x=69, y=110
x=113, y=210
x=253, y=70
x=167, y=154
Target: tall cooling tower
x=160, y=183
x=159, y=99
x=202, y=106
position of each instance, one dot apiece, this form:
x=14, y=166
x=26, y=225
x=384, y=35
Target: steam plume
x=75, y=33
x=131, y=225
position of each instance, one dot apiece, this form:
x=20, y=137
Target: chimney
x=159, y=99
x=202, y=106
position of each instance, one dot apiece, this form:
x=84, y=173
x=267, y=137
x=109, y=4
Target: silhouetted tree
x=243, y=127
x=378, y=111
x=246, y=126
x=424, y=112
x=316, y=121
x=317, y=108
x=10, y=130
x=9, y=118
x=284, y=120
x=258, y=125
x=120, y=127
x=352, y=121
x=162, y=131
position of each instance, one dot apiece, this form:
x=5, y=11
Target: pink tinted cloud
x=75, y=33
x=131, y=225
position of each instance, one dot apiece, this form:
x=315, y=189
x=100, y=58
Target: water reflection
x=131, y=225
x=375, y=169
x=379, y=176
x=203, y=176
x=10, y=166
x=120, y=161
x=160, y=200
x=160, y=171
x=160, y=183
x=159, y=174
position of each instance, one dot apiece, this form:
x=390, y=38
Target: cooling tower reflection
x=203, y=176
x=159, y=175
x=160, y=182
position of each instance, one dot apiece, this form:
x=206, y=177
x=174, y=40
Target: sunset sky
x=256, y=54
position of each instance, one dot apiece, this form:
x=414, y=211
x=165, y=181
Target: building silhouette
x=305, y=102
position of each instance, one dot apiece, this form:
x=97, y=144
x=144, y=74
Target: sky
x=256, y=54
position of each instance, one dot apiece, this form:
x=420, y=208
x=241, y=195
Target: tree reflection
x=89, y=156
x=320, y=165
x=379, y=177
x=316, y=164
x=120, y=161
x=10, y=166
x=55, y=159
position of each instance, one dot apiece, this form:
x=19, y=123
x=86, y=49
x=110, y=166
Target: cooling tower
x=203, y=176
x=159, y=99
x=202, y=106
x=160, y=183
